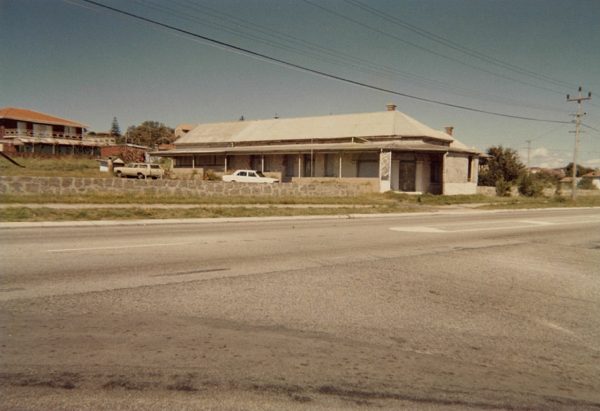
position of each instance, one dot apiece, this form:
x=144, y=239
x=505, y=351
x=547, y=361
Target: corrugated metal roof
x=363, y=125
x=299, y=148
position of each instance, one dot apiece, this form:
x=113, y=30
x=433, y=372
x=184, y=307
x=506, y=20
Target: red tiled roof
x=36, y=117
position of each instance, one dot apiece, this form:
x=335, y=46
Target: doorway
x=407, y=175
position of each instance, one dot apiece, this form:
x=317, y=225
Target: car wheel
x=140, y=176
x=119, y=174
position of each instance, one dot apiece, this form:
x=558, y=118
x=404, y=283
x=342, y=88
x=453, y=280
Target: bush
x=503, y=188
x=586, y=184
x=210, y=175
x=529, y=186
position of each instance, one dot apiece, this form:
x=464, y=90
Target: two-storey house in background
x=27, y=131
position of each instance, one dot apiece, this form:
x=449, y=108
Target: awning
x=412, y=146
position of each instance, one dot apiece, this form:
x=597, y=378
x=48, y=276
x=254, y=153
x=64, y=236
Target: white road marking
x=418, y=229
x=122, y=247
x=536, y=222
x=554, y=326
x=523, y=224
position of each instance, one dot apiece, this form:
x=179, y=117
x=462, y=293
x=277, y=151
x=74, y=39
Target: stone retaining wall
x=72, y=186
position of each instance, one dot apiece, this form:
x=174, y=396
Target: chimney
x=449, y=130
x=390, y=107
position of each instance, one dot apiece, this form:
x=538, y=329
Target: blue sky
x=517, y=57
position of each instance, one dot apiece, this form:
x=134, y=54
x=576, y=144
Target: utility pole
x=578, y=116
x=528, y=153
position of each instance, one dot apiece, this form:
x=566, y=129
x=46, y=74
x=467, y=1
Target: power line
x=318, y=51
x=590, y=127
x=402, y=40
x=266, y=57
x=455, y=46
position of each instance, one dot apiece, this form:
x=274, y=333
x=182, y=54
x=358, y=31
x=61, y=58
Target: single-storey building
x=32, y=132
x=390, y=149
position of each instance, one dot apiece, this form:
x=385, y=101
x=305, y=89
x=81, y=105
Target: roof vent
x=390, y=107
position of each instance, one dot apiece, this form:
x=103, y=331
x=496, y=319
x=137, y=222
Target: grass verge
x=108, y=198
x=22, y=214
x=52, y=167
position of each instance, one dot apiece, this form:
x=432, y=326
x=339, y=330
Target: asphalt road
x=466, y=310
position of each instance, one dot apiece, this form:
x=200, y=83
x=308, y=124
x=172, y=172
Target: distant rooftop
x=22, y=114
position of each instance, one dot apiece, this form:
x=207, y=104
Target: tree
x=503, y=165
x=581, y=170
x=150, y=133
x=115, y=131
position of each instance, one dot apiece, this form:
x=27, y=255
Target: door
x=407, y=175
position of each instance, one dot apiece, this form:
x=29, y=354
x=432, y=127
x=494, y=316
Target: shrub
x=529, y=186
x=210, y=175
x=503, y=188
x=586, y=184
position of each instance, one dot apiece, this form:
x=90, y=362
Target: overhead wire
x=455, y=46
x=427, y=50
x=265, y=57
x=334, y=56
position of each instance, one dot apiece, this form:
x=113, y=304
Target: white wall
x=460, y=188
x=456, y=174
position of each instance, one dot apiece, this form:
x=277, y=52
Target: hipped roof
x=21, y=114
x=362, y=125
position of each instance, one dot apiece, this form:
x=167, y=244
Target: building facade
x=390, y=149
x=31, y=132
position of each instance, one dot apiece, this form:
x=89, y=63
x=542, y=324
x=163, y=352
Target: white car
x=249, y=176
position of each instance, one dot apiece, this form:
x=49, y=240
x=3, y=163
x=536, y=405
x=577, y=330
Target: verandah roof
x=410, y=146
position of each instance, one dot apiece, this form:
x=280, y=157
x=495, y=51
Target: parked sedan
x=249, y=176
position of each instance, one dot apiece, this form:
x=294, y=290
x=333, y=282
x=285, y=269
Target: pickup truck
x=140, y=170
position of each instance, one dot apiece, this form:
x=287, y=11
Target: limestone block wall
x=58, y=186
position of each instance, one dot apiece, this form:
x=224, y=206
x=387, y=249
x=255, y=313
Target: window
x=256, y=162
x=70, y=131
x=242, y=174
x=183, y=162
x=290, y=162
x=367, y=165
x=42, y=130
x=21, y=127
x=208, y=160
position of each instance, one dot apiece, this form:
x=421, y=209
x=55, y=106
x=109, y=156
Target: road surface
x=465, y=310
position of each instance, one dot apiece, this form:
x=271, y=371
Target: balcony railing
x=14, y=132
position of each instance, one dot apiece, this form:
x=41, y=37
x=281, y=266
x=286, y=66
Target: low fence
x=73, y=186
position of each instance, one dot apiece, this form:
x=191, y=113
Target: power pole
x=528, y=153
x=577, y=128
